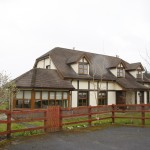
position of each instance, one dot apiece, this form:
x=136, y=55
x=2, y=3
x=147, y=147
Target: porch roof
x=42, y=78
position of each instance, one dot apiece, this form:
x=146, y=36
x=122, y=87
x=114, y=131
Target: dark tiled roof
x=99, y=66
x=130, y=83
x=134, y=66
x=42, y=78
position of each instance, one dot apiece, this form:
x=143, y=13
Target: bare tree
x=98, y=70
x=7, y=89
x=146, y=59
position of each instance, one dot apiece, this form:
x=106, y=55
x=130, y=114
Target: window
x=139, y=73
x=83, y=99
x=23, y=99
x=148, y=97
x=83, y=68
x=120, y=72
x=102, y=98
x=46, y=98
x=48, y=67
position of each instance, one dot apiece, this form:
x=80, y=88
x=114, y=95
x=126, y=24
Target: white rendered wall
x=145, y=97
x=40, y=64
x=114, y=71
x=111, y=98
x=114, y=86
x=102, y=85
x=83, y=85
x=52, y=66
x=93, y=85
x=92, y=98
x=130, y=97
x=133, y=73
x=75, y=67
x=74, y=98
x=45, y=62
x=138, y=98
x=74, y=83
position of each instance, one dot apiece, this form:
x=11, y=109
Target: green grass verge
x=4, y=106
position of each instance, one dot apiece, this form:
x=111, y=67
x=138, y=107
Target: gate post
x=53, y=118
x=143, y=114
x=9, y=124
x=113, y=113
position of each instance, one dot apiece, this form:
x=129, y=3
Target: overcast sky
x=30, y=28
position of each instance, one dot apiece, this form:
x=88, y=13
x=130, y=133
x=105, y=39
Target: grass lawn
x=4, y=106
x=98, y=122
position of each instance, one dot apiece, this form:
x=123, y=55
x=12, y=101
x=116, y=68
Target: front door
x=120, y=97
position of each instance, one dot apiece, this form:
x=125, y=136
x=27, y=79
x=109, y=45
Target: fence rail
x=56, y=118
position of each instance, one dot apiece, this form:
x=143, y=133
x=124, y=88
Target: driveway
x=112, y=138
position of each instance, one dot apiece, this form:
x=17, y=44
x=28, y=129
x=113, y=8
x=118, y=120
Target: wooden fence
x=115, y=114
x=55, y=118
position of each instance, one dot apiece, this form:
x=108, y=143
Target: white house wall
x=40, y=64
x=45, y=62
x=114, y=71
x=75, y=67
x=83, y=85
x=74, y=98
x=133, y=73
x=103, y=85
x=145, y=97
x=92, y=98
x=52, y=65
x=130, y=97
x=74, y=83
x=93, y=85
x=111, y=97
x=114, y=86
x=138, y=98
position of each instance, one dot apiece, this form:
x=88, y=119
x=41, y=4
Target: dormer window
x=83, y=68
x=139, y=73
x=48, y=67
x=120, y=71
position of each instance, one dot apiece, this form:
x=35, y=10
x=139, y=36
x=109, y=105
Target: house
x=72, y=78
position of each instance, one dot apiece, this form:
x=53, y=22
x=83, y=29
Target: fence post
x=60, y=118
x=143, y=114
x=113, y=113
x=46, y=121
x=89, y=116
x=9, y=124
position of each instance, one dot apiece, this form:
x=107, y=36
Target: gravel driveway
x=112, y=138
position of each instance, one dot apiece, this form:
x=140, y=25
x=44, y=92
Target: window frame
x=102, y=100
x=120, y=72
x=53, y=99
x=83, y=68
x=139, y=74
x=26, y=102
x=86, y=99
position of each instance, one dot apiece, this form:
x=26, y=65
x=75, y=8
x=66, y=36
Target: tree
x=7, y=89
x=146, y=59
